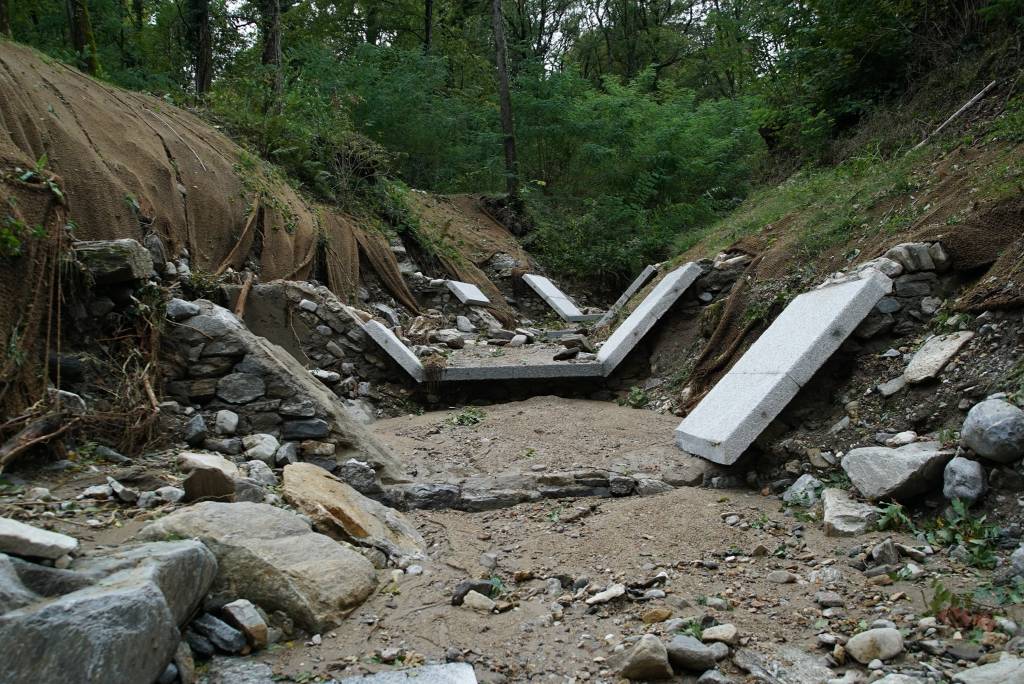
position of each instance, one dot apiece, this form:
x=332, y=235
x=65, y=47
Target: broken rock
x=844, y=517
x=19, y=539
x=341, y=512
x=963, y=479
x=882, y=643
x=934, y=354
x=882, y=472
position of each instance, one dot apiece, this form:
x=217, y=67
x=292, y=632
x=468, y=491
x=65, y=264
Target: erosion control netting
x=130, y=164
x=464, y=237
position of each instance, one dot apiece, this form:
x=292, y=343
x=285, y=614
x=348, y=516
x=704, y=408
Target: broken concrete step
x=651, y=309
x=557, y=299
x=394, y=348
x=467, y=293
x=634, y=287
x=776, y=366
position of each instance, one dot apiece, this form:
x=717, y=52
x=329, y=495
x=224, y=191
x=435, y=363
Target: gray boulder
x=121, y=628
x=995, y=429
x=881, y=472
x=687, y=653
x=803, y=492
x=963, y=479
x=271, y=557
x=648, y=660
x=13, y=594
x=114, y=261
x=20, y=539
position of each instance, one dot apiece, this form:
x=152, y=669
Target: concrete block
x=557, y=299
x=634, y=287
x=655, y=304
x=770, y=374
x=468, y=293
x=523, y=372
x=733, y=414
x=813, y=327
x=395, y=349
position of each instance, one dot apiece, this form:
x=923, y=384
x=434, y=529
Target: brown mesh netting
x=990, y=237
x=374, y=246
x=342, y=252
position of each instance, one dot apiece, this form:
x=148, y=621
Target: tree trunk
x=137, y=11
x=505, y=100
x=82, y=39
x=5, y=19
x=428, y=24
x=200, y=44
x=270, y=35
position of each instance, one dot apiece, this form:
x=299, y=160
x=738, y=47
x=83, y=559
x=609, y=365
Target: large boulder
x=13, y=593
x=339, y=511
x=271, y=557
x=114, y=261
x=882, y=473
x=963, y=479
x=995, y=429
x=122, y=627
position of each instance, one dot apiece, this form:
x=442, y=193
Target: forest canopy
x=631, y=122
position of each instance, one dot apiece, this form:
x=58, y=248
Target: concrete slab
x=467, y=293
x=770, y=374
x=634, y=287
x=643, y=318
x=557, y=299
x=449, y=673
x=813, y=327
x=733, y=414
x=523, y=372
x=390, y=343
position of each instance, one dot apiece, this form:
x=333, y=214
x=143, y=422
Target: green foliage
x=468, y=416
x=637, y=398
x=973, y=534
x=692, y=627
x=894, y=517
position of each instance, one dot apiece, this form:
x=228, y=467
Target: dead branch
x=243, y=296
x=957, y=113
x=238, y=245
x=38, y=431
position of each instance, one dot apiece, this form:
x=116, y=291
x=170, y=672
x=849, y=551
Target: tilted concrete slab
x=814, y=325
x=390, y=343
x=772, y=371
x=651, y=309
x=733, y=414
x=557, y=299
x=634, y=287
x=467, y=293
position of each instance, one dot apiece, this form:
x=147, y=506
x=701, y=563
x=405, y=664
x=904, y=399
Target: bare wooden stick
x=243, y=296
x=36, y=432
x=957, y=113
x=245, y=231
x=150, y=394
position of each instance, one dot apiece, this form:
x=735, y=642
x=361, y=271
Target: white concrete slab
x=448, y=673
x=523, y=372
x=390, y=343
x=733, y=414
x=557, y=299
x=770, y=374
x=634, y=287
x=467, y=293
x=813, y=327
x=653, y=307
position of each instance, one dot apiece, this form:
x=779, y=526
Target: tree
x=5, y=19
x=270, y=38
x=200, y=43
x=428, y=24
x=82, y=39
x=505, y=100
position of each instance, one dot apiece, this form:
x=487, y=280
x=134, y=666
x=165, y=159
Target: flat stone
x=449, y=673
x=224, y=670
x=180, y=310
x=271, y=557
x=20, y=539
x=892, y=387
x=557, y=299
x=1004, y=671
x=743, y=403
x=658, y=301
x=882, y=472
x=114, y=261
x=934, y=354
x=189, y=461
x=240, y=388
x=844, y=517
x=340, y=512
x=474, y=600
x=994, y=429
x=242, y=614
x=609, y=594
x=634, y=287
x=883, y=643
x=222, y=635
x=314, y=428
x=648, y=660
x=467, y=293
x=394, y=348
x=726, y=634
